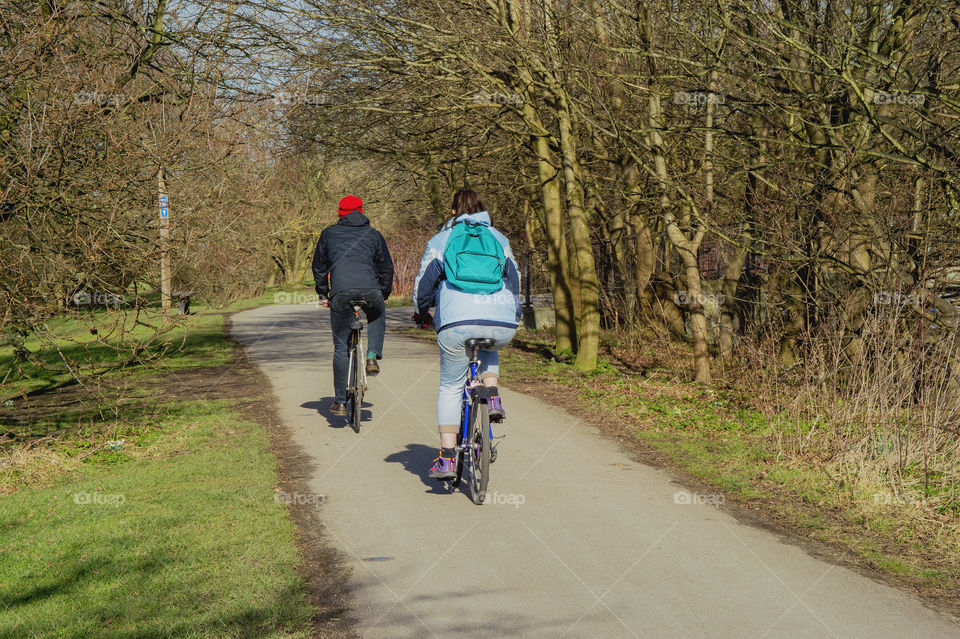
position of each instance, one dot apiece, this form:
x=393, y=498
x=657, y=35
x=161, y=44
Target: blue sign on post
x=163, y=200
x=163, y=211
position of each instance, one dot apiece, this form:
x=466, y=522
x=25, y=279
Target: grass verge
x=180, y=537
x=157, y=516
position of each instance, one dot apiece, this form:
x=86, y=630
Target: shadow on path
x=322, y=406
x=417, y=459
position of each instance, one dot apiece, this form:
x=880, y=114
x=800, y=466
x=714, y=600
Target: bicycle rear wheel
x=478, y=451
x=358, y=386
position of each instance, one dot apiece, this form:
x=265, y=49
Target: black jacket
x=354, y=255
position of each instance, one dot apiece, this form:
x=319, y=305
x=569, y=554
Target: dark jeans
x=341, y=317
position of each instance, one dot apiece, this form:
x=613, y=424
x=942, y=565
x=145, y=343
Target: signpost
x=165, y=288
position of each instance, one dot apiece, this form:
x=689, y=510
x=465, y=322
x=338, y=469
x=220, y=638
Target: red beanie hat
x=350, y=204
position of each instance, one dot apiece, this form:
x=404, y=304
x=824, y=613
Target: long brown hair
x=465, y=201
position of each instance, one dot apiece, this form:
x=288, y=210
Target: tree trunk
x=686, y=247
x=436, y=199
x=560, y=283
x=588, y=325
x=734, y=270
x=565, y=329
x=731, y=280
x=646, y=254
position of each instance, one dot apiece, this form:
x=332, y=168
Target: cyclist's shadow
x=322, y=407
x=416, y=459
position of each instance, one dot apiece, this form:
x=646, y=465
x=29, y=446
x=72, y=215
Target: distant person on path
x=469, y=305
x=352, y=262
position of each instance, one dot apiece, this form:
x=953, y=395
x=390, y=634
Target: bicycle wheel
x=358, y=387
x=478, y=451
x=351, y=390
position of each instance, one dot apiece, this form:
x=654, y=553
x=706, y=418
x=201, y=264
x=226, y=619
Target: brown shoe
x=338, y=408
x=373, y=368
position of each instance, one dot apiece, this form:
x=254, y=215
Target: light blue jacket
x=456, y=307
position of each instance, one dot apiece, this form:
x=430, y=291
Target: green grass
x=192, y=341
x=889, y=564
x=189, y=541
x=118, y=334
x=706, y=431
x=396, y=302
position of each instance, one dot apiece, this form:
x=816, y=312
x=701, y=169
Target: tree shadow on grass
x=114, y=356
x=540, y=349
x=65, y=406
x=183, y=601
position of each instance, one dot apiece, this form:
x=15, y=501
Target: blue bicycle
x=474, y=449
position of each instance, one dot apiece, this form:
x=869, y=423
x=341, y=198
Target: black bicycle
x=356, y=373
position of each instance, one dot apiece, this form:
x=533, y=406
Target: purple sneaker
x=443, y=468
x=495, y=409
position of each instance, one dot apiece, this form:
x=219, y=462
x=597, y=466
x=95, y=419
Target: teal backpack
x=473, y=259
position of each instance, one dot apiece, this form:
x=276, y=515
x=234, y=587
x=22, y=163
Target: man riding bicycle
x=466, y=308
x=352, y=262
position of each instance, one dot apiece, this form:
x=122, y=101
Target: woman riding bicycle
x=466, y=307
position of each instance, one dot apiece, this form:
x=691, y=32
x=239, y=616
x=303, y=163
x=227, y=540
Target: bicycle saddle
x=483, y=343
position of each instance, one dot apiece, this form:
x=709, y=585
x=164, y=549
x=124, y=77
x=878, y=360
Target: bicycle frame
x=472, y=381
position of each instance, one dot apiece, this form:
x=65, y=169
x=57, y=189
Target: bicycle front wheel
x=478, y=451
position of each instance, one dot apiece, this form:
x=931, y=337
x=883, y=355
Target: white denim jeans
x=453, y=367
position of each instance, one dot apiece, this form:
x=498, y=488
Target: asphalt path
x=576, y=540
